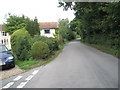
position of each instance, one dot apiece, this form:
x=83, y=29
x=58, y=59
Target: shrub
x=55, y=43
x=40, y=50
x=51, y=42
x=38, y=38
x=20, y=44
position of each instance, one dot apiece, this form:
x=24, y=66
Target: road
x=77, y=66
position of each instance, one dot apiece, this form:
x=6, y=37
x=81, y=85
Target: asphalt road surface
x=77, y=66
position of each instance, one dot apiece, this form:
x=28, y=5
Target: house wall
x=5, y=39
x=51, y=34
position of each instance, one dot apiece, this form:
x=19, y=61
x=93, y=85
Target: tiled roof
x=48, y=25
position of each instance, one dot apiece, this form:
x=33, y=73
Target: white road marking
x=35, y=72
x=8, y=85
x=17, y=78
x=29, y=77
x=22, y=84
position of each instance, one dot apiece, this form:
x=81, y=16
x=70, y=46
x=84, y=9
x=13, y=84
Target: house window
x=5, y=41
x=4, y=34
x=2, y=41
x=47, y=31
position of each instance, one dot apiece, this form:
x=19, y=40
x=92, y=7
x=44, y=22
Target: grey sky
x=45, y=10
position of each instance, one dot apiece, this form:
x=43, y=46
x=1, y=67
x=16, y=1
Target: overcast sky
x=45, y=10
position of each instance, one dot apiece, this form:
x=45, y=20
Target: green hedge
x=24, y=47
x=20, y=44
x=39, y=50
x=51, y=42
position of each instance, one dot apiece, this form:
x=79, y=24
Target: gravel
x=10, y=72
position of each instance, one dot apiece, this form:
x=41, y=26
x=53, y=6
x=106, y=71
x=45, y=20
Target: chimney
x=36, y=19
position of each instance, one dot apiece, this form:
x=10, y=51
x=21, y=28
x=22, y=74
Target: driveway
x=10, y=72
x=77, y=66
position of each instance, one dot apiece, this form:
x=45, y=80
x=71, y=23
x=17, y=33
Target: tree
x=96, y=22
x=33, y=27
x=74, y=26
x=14, y=22
x=64, y=30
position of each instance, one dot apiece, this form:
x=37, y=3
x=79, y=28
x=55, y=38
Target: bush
x=40, y=50
x=20, y=44
x=51, y=42
x=55, y=43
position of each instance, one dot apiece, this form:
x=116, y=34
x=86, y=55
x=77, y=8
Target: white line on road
x=29, y=77
x=8, y=85
x=22, y=84
x=35, y=72
x=17, y=78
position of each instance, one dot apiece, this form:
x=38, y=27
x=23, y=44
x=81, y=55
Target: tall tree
x=64, y=30
x=32, y=26
x=98, y=22
x=14, y=22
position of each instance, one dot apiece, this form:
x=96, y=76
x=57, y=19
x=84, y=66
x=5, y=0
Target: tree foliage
x=14, y=23
x=65, y=31
x=33, y=27
x=97, y=22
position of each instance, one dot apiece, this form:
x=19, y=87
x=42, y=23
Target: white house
x=4, y=37
x=48, y=28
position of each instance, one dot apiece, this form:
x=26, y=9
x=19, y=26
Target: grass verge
x=28, y=64
x=104, y=49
